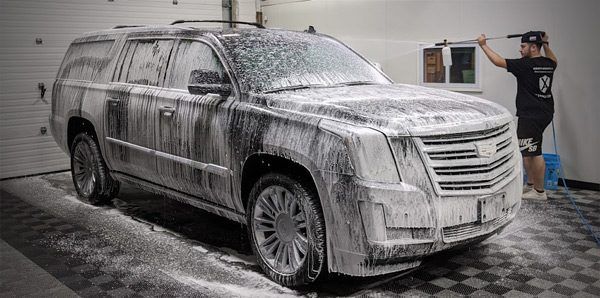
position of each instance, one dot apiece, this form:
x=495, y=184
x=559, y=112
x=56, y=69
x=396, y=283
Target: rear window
x=86, y=61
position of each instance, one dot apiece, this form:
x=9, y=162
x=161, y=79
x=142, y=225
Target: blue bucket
x=552, y=171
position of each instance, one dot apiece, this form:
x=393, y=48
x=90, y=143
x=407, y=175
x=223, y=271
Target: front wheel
x=90, y=174
x=287, y=230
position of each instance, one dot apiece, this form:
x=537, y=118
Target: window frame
x=464, y=87
x=173, y=59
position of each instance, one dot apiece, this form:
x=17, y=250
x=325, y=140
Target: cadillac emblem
x=485, y=149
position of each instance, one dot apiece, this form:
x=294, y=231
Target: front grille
x=469, y=230
x=458, y=167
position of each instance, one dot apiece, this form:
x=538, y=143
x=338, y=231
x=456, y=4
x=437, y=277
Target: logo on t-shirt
x=544, y=83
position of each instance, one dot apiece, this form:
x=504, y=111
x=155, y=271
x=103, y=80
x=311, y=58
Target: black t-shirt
x=534, y=84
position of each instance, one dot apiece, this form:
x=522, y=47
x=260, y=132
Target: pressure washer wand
x=468, y=41
x=446, y=52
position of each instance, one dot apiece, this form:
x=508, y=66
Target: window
x=193, y=55
x=144, y=62
x=86, y=61
x=462, y=75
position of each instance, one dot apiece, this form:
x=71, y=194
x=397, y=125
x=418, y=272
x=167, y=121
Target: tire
x=90, y=175
x=286, y=230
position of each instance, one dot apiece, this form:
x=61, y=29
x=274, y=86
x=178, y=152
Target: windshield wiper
x=358, y=83
x=296, y=87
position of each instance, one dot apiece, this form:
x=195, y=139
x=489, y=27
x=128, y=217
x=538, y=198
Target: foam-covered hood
x=396, y=109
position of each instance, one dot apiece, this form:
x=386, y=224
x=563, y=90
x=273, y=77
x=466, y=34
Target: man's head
x=531, y=44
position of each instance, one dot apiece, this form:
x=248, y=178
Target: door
x=131, y=106
x=191, y=137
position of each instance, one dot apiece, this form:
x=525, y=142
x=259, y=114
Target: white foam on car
x=200, y=249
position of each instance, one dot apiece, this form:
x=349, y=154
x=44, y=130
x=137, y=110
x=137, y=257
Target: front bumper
x=399, y=224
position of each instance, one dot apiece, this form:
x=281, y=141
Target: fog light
x=373, y=220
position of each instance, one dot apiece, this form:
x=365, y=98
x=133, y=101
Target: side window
x=86, y=61
x=144, y=62
x=190, y=56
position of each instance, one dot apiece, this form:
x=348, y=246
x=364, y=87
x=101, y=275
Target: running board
x=181, y=197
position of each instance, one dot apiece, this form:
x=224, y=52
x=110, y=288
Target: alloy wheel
x=83, y=168
x=279, y=226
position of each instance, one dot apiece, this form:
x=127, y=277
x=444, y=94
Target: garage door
x=34, y=37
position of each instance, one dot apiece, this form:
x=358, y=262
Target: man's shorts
x=530, y=132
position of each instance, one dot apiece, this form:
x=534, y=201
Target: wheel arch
x=259, y=164
x=77, y=125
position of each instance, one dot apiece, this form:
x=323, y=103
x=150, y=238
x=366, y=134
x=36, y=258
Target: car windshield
x=271, y=61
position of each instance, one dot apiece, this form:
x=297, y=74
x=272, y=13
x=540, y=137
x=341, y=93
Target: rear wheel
x=90, y=174
x=287, y=230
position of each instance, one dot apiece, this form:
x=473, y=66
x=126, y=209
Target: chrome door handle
x=113, y=101
x=167, y=111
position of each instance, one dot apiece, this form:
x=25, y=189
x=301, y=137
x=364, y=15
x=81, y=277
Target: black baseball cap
x=532, y=37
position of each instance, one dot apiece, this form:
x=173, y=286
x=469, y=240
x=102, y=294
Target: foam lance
x=446, y=54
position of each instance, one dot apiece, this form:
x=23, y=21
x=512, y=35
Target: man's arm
x=493, y=56
x=547, y=49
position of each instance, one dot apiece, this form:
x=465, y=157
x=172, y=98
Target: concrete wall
x=387, y=31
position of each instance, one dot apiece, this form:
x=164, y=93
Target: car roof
x=179, y=29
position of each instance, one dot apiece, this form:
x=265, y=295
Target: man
x=535, y=105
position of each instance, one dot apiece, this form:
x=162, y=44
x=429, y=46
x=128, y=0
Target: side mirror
x=203, y=81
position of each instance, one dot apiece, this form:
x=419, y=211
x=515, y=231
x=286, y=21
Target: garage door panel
x=37, y=151
x=15, y=100
x=33, y=158
x=40, y=76
x=24, y=129
x=21, y=98
x=20, y=146
x=28, y=141
x=142, y=5
x=21, y=168
x=14, y=111
x=16, y=41
x=26, y=85
x=31, y=60
x=8, y=118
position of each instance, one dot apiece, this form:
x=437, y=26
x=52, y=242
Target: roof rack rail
x=257, y=25
x=127, y=26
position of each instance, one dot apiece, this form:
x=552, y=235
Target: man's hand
x=546, y=46
x=495, y=58
x=481, y=40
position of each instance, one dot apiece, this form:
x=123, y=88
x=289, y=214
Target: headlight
x=515, y=140
x=369, y=151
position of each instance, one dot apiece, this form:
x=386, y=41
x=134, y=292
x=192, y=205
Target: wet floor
x=144, y=244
